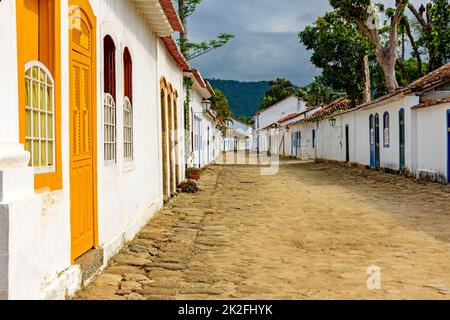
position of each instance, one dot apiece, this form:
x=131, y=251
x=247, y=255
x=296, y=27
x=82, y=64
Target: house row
x=94, y=134
x=406, y=131
x=264, y=139
x=239, y=137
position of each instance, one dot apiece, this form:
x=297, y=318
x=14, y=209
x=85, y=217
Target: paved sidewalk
x=309, y=232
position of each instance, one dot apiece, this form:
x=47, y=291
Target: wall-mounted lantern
x=206, y=104
x=332, y=122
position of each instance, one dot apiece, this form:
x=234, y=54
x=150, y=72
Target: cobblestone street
x=309, y=232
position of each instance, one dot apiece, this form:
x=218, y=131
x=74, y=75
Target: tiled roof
x=289, y=117
x=175, y=53
x=432, y=79
x=171, y=14
x=341, y=104
x=432, y=103
x=198, y=77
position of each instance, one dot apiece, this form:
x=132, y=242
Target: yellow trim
x=87, y=9
x=28, y=50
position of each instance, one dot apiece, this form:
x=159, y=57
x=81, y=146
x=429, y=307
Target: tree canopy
x=221, y=106
x=279, y=89
x=192, y=50
x=338, y=49
x=385, y=40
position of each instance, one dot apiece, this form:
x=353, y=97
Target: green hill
x=244, y=97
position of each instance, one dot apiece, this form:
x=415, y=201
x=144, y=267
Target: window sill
x=128, y=166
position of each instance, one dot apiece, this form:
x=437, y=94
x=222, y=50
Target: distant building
x=266, y=121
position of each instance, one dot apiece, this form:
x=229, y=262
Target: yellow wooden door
x=82, y=130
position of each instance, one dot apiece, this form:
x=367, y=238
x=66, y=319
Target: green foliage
x=245, y=119
x=434, y=28
x=243, y=97
x=440, y=33
x=194, y=50
x=188, y=84
x=221, y=106
x=187, y=7
x=338, y=49
x=279, y=89
x=318, y=93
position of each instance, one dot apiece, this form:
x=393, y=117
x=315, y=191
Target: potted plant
x=193, y=173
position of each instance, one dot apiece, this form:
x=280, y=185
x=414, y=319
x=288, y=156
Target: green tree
x=433, y=24
x=338, y=49
x=317, y=93
x=385, y=40
x=279, y=89
x=246, y=119
x=192, y=50
x=221, y=106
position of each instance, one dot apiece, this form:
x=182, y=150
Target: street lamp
x=332, y=122
x=206, y=104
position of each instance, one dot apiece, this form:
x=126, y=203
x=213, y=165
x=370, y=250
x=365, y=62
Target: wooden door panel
x=82, y=136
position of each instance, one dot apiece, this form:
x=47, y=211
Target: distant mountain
x=244, y=97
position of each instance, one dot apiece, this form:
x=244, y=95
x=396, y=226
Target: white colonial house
x=406, y=131
x=239, y=136
x=204, y=134
x=91, y=135
x=265, y=139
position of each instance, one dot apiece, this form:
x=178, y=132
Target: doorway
x=347, y=144
x=448, y=146
x=402, y=139
x=83, y=159
x=377, y=141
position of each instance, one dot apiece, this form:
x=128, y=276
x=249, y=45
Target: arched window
x=128, y=106
x=109, y=105
x=386, y=130
x=39, y=117
x=371, y=130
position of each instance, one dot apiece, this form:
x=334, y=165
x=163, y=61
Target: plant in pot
x=189, y=186
x=193, y=173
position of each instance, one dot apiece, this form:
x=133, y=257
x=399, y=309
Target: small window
x=128, y=129
x=109, y=104
x=110, y=128
x=386, y=130
x=39, y=117
x=128, y=106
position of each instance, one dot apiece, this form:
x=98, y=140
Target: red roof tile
x=171, y=14
x=432, y=103
x=175, y=53
x=341, y=104
x=289, y=117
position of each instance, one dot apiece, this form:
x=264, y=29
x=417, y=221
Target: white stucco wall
x=432, y=144
x=40, y=264
x=9, y=131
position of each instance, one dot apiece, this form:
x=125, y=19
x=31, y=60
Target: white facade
x=401, y=132
x=270, y=116
x=35, y=226
x=205, y=137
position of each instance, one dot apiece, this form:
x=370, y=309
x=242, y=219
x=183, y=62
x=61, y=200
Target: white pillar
x=16, y=178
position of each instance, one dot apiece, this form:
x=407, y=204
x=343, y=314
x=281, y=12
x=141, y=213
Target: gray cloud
x=267, y=45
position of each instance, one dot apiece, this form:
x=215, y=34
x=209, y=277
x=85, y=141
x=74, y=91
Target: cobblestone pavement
x=309, y=232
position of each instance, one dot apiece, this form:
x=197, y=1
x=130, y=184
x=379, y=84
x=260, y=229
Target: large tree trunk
x=387, y=59
x=367, y=94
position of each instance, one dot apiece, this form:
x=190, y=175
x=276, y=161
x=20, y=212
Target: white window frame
x=29, y=66
x=109, y=139
x=128, y=141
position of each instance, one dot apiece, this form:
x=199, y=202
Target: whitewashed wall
x=432, y=148
x=127, y=193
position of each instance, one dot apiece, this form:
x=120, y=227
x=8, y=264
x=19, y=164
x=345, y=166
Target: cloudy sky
x=266, y=46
